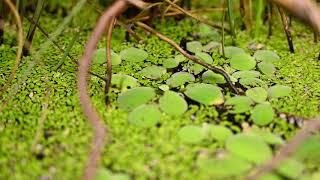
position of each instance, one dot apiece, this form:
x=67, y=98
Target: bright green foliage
x=252, y=82
x=145, y=116
x=194, y=46
x=134, y=55
x=309, y=150
x=257, y=94
x=249, y=147
x=270, y=176
x=266, y=56
x=197, y=68
x=267, y=136
x=191, y=134
x=231, y=51
x=179, y=79
x=100, y=57
x=290, y=168
x=242, y=62
x=173, y=104
x=103, y=174
x=206, y=31
x=170, y=63
x=123, y=82
x=240, y=104
x=277, y=91
x=227, y=166
x=206, y=94
x=135, y=97
x=219, y=133
x=262, y=114
x=213, y=78
x=267, y=68
x=180, y=58
x=211, y=46
x=153, y=72
x=246, y=74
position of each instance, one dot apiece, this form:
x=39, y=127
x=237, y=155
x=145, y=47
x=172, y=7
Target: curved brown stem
x=287, y=150
x=20, y=45
x=109, y=63
x=99, y=129
x=193, y=58
x=286, y=28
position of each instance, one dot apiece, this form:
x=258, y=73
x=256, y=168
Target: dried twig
x=311, y=126
x=193, y=58
x=286, y=29
x=99, y=129
x=20, y=45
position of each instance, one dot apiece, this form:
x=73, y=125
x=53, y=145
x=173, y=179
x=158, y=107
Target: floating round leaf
x=242, y=62
x=249, y=147
x=179, y=79
x=270, y=176
x=266, y=56
x=257, y=94
x=204, y=57
x=100, y=57
x=135, y=97
x=123, y=81
x=172, y=103
x=240, y=104
x=134, y=55
x=213, y=78
x=231, y=51
x=267, y=68
x=290, y=168
x=309, y=150
x=277, y=91
x=252, y=82
x=267, y=136
x=205, y=93
x=191, y=134
x=206, y=31
x=144, y=116
x=180, y=58
x=194, y=46
x=227, y=166
x=153, y=72
x=219, y=133
x=164, y=87
x=103, y=174
x=211, y=46
x=246, y=74
x=262, y=114
x=170, y=63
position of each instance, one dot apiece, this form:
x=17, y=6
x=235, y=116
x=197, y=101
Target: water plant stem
x=231, y=21
x=259, y=12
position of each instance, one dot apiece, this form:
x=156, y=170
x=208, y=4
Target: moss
x=141, y=153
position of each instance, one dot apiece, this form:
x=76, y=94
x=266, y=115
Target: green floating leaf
x=267, y=136
x=231, y=51
x=290, y=168
x=267, y=68
x=135, y=97
x=173, y=104
x=242, y=62
x=170, y=63
x=205, y=94
x=191, y=134
x=225, y=167
x=153, y=72
x=123, y=82
x=249, y=147
x=103, y=174
x=197, y=68
x=180, y=58
x=100, y=57
x=213, y=78
x=252, y=82
x=270, y=176
x=133, y=55
x=194, y=46
x=206, y=31
x=179, y=79
x=164, y=87
x=266, y=56
x=145, y=116
x=246, y=74
x=257, y=94
x=262, y=114
x=219, y=133
x=277, y=91
x=211, y=46
x=240, y=104
x=309, y=150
